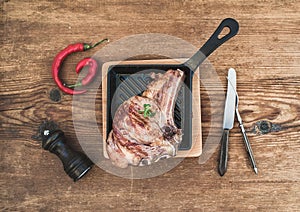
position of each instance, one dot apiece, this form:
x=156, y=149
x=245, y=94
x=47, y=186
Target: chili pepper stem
x=88, y=46
x=74, y=85
x=98, y=43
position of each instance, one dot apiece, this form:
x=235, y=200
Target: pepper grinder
x=76, y=164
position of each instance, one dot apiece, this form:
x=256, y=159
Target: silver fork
x=246, y=140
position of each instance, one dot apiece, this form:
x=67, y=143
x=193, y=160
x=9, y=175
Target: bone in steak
x=139, y=140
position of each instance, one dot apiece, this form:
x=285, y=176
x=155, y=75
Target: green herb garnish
x=147, y=111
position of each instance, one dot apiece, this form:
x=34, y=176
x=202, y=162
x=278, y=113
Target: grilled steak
x=143, y=128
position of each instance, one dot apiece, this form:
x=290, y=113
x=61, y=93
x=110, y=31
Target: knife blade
x=228, y=120
x=245, y=137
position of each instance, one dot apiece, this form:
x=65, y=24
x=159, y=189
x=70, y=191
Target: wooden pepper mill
x=76, y=164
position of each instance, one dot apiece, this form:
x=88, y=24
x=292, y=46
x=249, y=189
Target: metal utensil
x=228, y=121
x=246, y=140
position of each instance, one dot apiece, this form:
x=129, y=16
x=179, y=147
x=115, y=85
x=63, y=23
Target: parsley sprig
x=147, y=111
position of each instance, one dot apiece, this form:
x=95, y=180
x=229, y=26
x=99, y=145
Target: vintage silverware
x=239, y=118
x=228, y=121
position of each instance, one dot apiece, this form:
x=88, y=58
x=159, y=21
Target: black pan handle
x=213, y=43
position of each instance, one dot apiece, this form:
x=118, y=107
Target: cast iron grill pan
x=126, y=81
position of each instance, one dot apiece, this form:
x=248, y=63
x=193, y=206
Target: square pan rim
x=188, y=77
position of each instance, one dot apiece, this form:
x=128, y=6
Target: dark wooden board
x=265, y=53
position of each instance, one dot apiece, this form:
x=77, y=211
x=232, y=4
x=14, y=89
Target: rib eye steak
x=143, y=129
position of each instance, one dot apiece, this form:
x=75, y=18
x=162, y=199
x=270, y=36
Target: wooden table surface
x=266, y=54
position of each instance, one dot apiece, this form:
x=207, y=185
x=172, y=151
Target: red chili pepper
x=58, y=60
x=93, y=66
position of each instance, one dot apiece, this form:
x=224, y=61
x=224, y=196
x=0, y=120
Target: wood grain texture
x=265, y=54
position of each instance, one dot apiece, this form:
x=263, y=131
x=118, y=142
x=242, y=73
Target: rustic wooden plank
x=265, y=54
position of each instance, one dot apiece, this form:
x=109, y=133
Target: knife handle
x=223, y=152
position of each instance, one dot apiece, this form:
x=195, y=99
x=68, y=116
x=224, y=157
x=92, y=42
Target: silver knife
x=246, y=140
x=228, y=120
